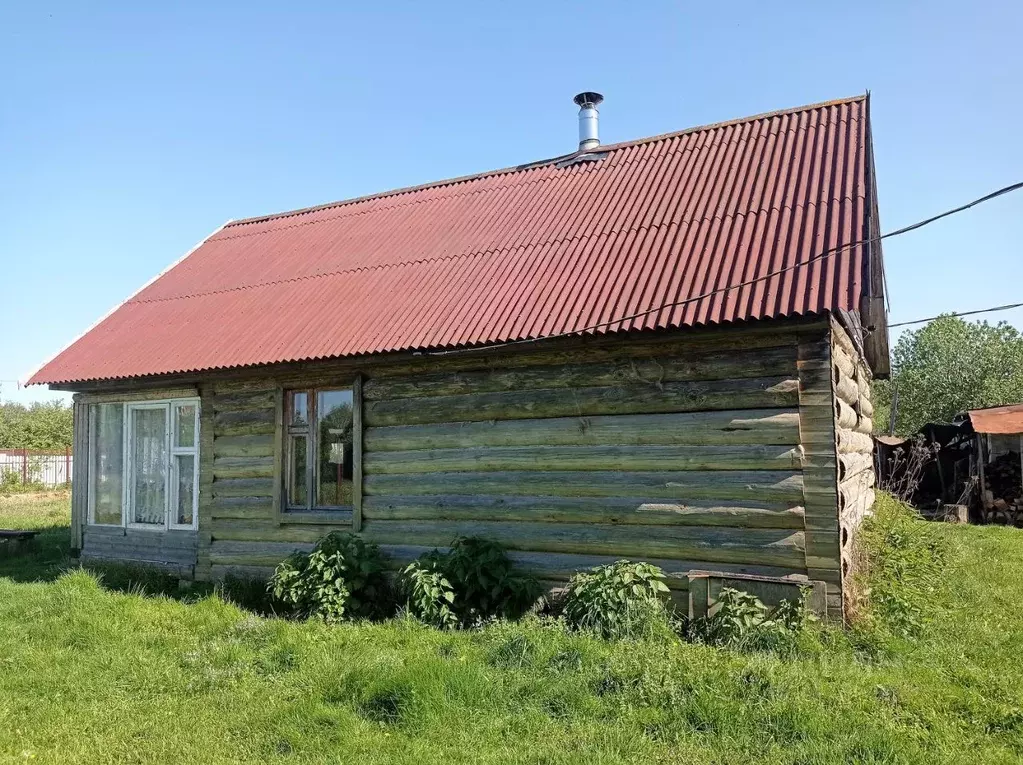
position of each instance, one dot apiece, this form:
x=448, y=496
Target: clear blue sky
x=129, y=132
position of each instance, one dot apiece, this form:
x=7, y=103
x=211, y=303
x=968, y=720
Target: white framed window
x=144, y=464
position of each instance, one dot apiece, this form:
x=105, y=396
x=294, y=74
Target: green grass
x=91, y=675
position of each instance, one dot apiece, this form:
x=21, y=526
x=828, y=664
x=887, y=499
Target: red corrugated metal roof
x=518, y=253
x=999, y=419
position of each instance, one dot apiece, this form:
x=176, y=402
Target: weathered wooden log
x=851, y=465
x=582, y=510
x=864, y=425
x=760, y=392
x=754, y=426
x=849, y=441
x=847, y=390
x=243, y=467
x=866, y=407
x=244, y=423
x=254, y=560
x=236, y=402
x=243, y=487
x=845, y=415
x=737, y=485
x=713, y=365
x=776, y=547
x=845, y=363
x=492, y=458
x=244, y=446
x=252, y=508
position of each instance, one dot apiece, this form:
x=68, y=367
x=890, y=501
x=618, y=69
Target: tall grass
x=89, y=675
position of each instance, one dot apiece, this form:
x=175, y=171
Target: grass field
x=91, y=675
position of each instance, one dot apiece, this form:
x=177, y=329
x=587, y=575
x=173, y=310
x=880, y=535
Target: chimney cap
x=588, y=97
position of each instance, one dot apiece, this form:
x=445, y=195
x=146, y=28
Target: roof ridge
x=540, y=163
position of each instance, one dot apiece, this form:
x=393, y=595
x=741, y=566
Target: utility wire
x=755, y=280
x=964, y=313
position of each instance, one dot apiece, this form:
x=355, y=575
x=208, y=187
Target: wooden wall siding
x=854, y=422
x=174, y=550
x=820, y=468
x=80, y=480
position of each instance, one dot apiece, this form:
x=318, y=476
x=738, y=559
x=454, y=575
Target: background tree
x=37, y=426
x=947, y=367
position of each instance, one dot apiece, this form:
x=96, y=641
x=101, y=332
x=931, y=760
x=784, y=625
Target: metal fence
x=37, y=466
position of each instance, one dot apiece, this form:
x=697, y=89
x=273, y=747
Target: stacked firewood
x=1004, y=492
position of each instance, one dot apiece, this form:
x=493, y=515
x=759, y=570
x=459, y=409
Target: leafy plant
x=741, y=620
x=618, y=601
x=342, y=578
x=903, y=562
x=427, y=593
x=485, y=581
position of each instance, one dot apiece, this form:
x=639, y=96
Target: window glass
x=184, y=426
x=334, y=438
x=299, y=409
x=149, y=465
x=185, y=470
x=107, y=450
x=297, y=474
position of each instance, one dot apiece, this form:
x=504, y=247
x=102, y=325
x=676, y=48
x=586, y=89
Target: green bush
x=618, y=601
x=742, y=621
x=342, y=578
x=427, y=594
x=485, y=581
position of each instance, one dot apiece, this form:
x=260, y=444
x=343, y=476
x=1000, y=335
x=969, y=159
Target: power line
x=755, y=280
x=964, y=313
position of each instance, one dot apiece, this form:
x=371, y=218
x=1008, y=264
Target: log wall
x=853, y=424
x=717, y=450
x=684, y=452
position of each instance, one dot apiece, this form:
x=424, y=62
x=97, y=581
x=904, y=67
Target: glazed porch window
x=143, y=460
x=318, y=449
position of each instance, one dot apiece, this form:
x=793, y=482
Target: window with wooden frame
x=144, y=464
x=319, y=449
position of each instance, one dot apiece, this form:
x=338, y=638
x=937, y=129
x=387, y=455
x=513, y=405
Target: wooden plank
x=244, y=446
x=609, y=510
x=277, y=486
x=760, y=392
x=244, y=467
x=207, y=434
x=736, y=485
x=134, y=394
x=705, y=365
x=729, y=427
x=80, y=473
x=357, y=458
x=540, y=458
x=776, y=547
